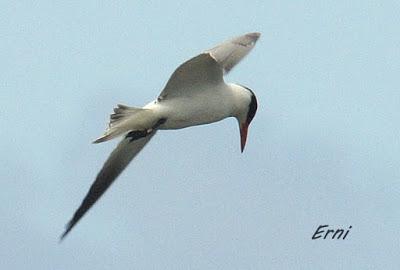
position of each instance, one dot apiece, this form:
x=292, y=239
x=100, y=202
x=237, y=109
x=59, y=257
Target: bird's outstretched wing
x=126, y=150
x=200, y=72
x=207, y=69
x=230, y=52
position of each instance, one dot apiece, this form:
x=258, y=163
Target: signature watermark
x=326, y=232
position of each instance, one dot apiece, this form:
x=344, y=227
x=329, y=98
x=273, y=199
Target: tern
x=195, y=94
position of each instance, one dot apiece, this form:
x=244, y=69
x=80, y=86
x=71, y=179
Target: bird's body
x=196, y=94
x=215, y=104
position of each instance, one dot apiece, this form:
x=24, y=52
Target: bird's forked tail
x=124, y=119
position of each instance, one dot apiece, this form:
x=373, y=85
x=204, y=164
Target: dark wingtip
x=65, y=233
x=61, y=238
x=254, y=35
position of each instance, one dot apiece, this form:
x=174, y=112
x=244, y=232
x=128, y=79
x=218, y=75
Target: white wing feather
x=207, y=69
x=230, y=52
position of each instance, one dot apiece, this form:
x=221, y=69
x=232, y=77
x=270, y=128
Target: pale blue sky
x=323, y=148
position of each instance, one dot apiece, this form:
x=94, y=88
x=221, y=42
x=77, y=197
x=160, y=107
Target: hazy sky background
x=323, y=148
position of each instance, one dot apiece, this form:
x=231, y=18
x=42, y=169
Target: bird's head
x=246, y=113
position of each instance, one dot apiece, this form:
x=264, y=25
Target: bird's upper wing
x=230, y=52
x=126, y=150
x=199, y=72
x=208, y=68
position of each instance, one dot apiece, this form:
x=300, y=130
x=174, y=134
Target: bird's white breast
x=208, y=106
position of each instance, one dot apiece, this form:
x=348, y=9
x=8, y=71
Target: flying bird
x=195, y=94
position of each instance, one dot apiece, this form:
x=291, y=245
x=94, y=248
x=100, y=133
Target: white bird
x=196, y=94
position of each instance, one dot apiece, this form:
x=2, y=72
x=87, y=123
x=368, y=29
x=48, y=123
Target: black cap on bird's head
x=244, y=124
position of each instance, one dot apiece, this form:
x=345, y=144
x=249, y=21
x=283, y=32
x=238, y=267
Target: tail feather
x=104, y=138
x=123, y=120
x=120, y=113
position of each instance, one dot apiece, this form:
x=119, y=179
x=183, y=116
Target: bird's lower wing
x=126, y=150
